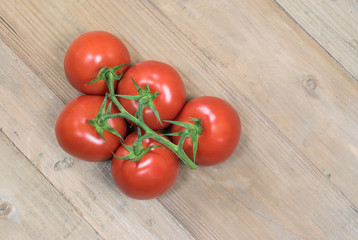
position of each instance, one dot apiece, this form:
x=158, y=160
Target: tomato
x=161, y=78
x=151, y=176
x=87, y=54
x=80, y=139
x=221, y=129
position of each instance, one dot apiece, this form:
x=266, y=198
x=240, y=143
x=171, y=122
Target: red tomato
x=161, y=78
x=80, y=139
x=221, y=129
x=151, y=176
x=90, y=52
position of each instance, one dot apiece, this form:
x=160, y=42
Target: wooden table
x=289, y=68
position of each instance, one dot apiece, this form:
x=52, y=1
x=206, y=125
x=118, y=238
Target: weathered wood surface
x=333, y=24
x=30, y=207
x=294, y=175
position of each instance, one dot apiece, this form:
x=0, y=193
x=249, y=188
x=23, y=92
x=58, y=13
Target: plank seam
x=310, y=35
x=9, y=28
x=23, y=60
x=59, y=192
x=258, y=111
x=179, y=220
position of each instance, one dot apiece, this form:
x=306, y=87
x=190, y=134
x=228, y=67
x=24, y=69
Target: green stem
x=152, y=134
x=149, y=132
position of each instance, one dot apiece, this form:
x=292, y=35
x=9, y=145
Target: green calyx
x=108, y=74
x=136, y=152
x=144, y=99
x=101, y=121
x=191, y=130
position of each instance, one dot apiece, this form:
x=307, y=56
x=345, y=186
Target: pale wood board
x=333, y=24
x=31, y=208
x=29, y=111
x=294, y=173
x=304, y=93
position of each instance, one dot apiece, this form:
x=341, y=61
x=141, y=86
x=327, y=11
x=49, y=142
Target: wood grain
x=333, y=24
x=288, y=77
x=294, y=172
x=30, y=207
x=29, y=119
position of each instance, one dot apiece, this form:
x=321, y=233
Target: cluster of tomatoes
x=147, y=99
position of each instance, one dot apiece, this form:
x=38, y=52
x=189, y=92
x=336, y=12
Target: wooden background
x=289, y=68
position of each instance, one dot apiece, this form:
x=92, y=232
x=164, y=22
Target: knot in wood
x=67, y=162
x=310, y=84
x=5, y=209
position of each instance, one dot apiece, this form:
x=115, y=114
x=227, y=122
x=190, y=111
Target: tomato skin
x=161, y=78
x=221, y=129
x=151, y=176
x=87, y=54
x=80, y=139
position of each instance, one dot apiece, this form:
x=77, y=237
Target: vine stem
x=149, y=132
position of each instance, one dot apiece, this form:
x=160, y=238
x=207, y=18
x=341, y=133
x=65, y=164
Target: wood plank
x=333, y=24
x=251, y=51
x=28, y=113
x=288, y=180
x=30, y=207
